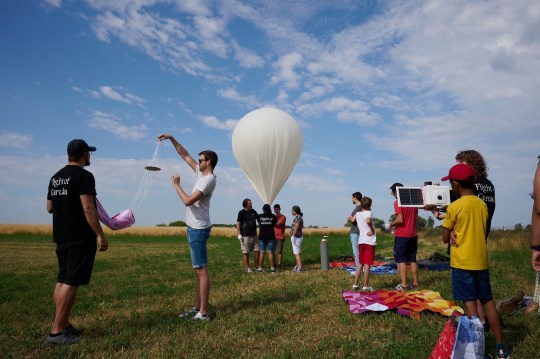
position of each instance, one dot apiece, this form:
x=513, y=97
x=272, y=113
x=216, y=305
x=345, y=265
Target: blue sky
x=384, y=91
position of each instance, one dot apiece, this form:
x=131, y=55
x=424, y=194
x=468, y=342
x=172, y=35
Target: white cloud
x=246, y=58
x=232, y=94
x=53, y=3
x=110, y=123
x=213, y=122
x=15, y=140
x=285, y=70
x=112, y=94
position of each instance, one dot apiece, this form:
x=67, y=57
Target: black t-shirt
x=248, y=222
x=65, y=189
x=485, y=190
x=266, y=226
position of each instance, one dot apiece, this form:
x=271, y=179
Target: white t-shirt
x=198, y=214
x=361, y=218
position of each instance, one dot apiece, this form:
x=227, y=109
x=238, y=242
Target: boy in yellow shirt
x=467, y=217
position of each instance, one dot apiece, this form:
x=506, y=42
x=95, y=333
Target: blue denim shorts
x=197, y=239
x=405, y=249
x=268, y=246
x=470, y=285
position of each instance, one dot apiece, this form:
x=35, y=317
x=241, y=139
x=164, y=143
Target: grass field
x=145, y=279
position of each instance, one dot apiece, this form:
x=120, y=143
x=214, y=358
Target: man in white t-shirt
x=197, y=220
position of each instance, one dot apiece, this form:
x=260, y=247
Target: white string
x=146, y=181
x=170, y=175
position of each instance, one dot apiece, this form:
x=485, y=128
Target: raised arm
x=180, y=149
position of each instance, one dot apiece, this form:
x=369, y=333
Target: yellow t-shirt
x=467, y=216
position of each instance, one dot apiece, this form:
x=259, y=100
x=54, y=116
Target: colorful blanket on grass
x=405, y=303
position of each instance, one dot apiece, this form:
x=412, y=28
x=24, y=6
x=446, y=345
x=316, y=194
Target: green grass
x=141, y=284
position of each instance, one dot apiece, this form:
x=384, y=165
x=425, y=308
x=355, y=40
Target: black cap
x=393, y=187
x=78, y=147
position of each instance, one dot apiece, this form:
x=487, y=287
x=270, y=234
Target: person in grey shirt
x=354, y=232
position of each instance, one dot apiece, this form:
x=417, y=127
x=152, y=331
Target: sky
x=384, y=91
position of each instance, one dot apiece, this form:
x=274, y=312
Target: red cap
x=461, y=172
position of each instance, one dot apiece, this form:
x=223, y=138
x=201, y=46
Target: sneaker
x=65, y=337
x=501, y=354
x=201, y=317
x=248, y=270
x=413, y=287
x=295, y=268
x=74, y=331
x=401, y=288
x=273, y=269
x=368, y=289
x=188, y=313
x=259, y=269
x=355, y=286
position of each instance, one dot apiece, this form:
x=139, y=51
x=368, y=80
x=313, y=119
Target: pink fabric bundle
x=122, y=220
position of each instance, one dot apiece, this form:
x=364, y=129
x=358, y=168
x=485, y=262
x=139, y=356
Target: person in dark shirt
x=246, y=227
x=71, y=199
x=267, y=237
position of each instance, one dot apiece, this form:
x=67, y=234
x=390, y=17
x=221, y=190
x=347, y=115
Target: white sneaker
x=259, y=269
x=188, y=313
x=368, y=289
x=355, y=286
x=248, y=270
x=199, y=316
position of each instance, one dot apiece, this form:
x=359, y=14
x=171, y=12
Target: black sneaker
x=65, y=337
x=74, y=331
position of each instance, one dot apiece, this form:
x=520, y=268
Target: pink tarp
x=122, y=220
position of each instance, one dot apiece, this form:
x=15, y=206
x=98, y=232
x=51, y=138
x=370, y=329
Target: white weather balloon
x=267, y=143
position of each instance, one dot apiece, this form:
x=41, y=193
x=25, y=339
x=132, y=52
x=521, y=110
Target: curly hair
x=475, y=160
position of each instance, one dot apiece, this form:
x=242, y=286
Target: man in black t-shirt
x=71, y=200
x=246, y=226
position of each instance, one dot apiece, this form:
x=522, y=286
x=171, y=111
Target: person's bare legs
x=357, y=275
x=298, y=260
x=202, y=289
x=494, y=320
x=481, y=313
x=366, y=275
x=272, y=259
x=256, y=255
x=414, y=271
x=402, y=269
x=246, y=260
x=261, y=259
x=64, y=297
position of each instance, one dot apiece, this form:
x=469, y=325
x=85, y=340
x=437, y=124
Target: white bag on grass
x=470, y=341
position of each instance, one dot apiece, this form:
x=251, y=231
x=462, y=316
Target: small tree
x=378, y=223
x=518, y=227
x=177, y=224
x=420, y=223
x=430, y=223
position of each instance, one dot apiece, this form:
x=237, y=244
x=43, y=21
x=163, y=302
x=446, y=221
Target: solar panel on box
x=410, y=197
x=419, y=196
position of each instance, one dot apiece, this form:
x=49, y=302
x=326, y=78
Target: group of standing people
x=271, y=236
x=466, y=226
